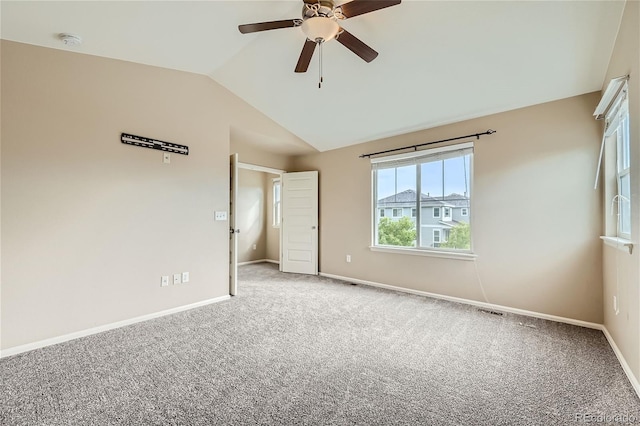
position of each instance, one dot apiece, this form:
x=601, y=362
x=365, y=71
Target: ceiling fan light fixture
x=320, y=29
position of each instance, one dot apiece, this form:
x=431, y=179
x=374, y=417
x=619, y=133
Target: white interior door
x=300, y=223
x=233, y=239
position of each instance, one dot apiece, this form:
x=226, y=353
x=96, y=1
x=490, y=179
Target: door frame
x=257, y=168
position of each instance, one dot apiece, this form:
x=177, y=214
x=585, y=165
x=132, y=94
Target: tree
x=397, y=233
x=459, y=237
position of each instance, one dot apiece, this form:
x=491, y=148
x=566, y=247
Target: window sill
x=423, y=252
x=619, y=243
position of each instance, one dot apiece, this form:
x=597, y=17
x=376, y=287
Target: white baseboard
x=483, y=305
x=251, y=262
x=78, y=334
x=623, y=362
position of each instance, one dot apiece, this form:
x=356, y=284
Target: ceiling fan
x=320, y=23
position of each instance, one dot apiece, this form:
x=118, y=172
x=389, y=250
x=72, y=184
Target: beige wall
x=536, y=217
x=255, y=216
x=252, y=215
x=621, y=270
x=90, y=224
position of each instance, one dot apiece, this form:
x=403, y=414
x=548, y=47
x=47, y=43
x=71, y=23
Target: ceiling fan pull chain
x=320, y=66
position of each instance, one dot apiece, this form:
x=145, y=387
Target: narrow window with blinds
x=614, y=109
x=277, y=203
x=435, y=186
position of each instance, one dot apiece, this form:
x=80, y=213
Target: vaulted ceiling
x=439, y=61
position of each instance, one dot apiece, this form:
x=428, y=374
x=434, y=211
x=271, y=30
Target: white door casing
x=233, y=240
x=300, y=223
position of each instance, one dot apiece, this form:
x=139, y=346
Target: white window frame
x=623, y=170
x=414, y=212
x=277, y=203
x=394, y=210
x=382, y=213
x=464, y=211
x=618, y=160
x=418, y=158
x=437, y=236
x=439, y=210
x=446, y=216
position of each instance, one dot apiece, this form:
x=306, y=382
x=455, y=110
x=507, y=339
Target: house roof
x=408, y=196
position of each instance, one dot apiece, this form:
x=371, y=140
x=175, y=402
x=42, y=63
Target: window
x=277, y=203
x=420, y=180
x=623, y=177
x=436, y=237
x=381, y=212
x=617, y=167
x=464, y=211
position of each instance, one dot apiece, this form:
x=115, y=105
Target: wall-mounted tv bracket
x=154, y=144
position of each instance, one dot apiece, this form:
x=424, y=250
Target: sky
x=393, y=181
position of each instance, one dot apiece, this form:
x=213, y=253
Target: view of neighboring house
x=437, y=214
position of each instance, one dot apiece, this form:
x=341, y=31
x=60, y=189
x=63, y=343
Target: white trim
x=425, y=252
x=484, y=305
x=95, y=330
x=251, y=262
x=619, y=243
x=623, y=362
x=257, y=168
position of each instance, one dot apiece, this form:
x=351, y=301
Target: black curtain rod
x=415, y=147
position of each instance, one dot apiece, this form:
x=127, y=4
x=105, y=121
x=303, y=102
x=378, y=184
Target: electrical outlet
x=348, y=258
x=185, y=277
x=176, y=278
x=255, y=247
x=221, y=215
x=164, y=281
x=166, y=158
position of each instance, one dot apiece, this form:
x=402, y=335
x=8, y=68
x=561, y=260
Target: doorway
x=254, y=232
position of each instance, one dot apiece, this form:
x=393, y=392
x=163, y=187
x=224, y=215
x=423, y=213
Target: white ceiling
x=440, y=61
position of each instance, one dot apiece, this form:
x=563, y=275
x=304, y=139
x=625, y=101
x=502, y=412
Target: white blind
x=424, y=156
x=611, y=108
x=615, y=113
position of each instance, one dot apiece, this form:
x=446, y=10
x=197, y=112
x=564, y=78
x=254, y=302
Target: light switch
x=164, y=281
x=166, y=158
x=221, y=215
x=176, y=278
x=185, y=277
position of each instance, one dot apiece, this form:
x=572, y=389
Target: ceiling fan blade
x=356, y=45
x=306, y=55
x=264, y=26
x=360, y=7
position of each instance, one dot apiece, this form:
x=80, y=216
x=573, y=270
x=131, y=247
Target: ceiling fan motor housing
x=313, y=8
